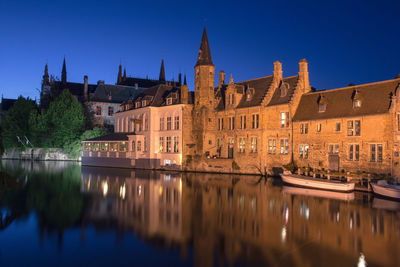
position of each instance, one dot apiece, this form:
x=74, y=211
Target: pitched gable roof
x=260, y=86
x=277, y=98
x=375, y=97
x=118, y=93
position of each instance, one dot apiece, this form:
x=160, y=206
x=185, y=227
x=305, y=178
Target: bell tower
x=204, y=75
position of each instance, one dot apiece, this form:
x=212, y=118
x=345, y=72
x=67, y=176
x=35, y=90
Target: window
x=98, y=110
x=176, y=144
x=231, y=99
x=87, y=146
x=96, y=146
x=169, y=144
x=139, y=146
x=376, y=152
x=161, y=144
x=231, y=123
x=303, y=151
x=255, y=121
x=319, y=127
x=354, y=152
x=357, y=103
x=144, y=144
x=133, y=146
x=144, y=103
x=304, y=128
x=137, y=104
x=243, y=122
x=354, y=128
x=169, y=123
x=220, y=124
x=253, y=147
x=242, y=145
x=284, y=119
x=104, y=147
x=334, y=149
x=284, y=146
x=176, y=121
x=338, y=126
x=113, y=146
x=398, y=122
x=321, y=107
x=161, y=124
x=271, y=146
x=123, y=147
x=110, y=111
x=169, y=101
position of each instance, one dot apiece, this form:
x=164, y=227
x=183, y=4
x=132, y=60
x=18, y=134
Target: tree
x=15, y=123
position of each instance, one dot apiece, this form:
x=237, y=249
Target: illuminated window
x=176, y=121
x=319, y=127
x=284, y=146
x=169, y=148
x=271, y=146
x=354, y=128
x=123, y=147
x=253, y=145
x=357, y=103
x=161, y=144
x=176, y=144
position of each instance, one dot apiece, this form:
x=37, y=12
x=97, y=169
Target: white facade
x=158, y=133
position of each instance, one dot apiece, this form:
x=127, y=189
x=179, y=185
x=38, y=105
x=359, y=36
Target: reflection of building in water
x=146, y=202
x=240, y=220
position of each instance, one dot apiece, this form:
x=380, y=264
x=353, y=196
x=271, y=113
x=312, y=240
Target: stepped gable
x=260, y=86
x=220, y=94
x=277, y=98
x=375, y=99
x=118, y=93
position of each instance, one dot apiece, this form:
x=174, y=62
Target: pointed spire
x=204, y=57
x=119, y=79
x=124, y=74
x=46, y=79
x=162, y=72
x=184, y=80
x=231, y=80
x=64, y=72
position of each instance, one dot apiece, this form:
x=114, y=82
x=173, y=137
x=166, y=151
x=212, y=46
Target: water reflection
x=210, y=219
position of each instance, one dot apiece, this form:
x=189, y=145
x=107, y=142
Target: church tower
x=64, y=73
x=204, y=75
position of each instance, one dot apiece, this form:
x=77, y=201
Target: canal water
x=59, y=213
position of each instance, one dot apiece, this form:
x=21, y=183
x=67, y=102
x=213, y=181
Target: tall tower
x=204, y=75
x=119, y=78
x=64, y=73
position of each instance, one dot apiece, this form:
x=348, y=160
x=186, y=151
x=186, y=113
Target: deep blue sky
x=343, y=42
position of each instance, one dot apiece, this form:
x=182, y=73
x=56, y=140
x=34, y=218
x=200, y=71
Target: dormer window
x=357, y=103
x=137, y=104
x=144, y=103
x=322, y=104
x=231, y=99
x=284, y=89
x=250, y=93
x=169, y=101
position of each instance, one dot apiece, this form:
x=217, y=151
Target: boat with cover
x=305, y=181
x=383, y=188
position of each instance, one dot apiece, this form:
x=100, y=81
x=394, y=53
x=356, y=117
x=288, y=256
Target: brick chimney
x=184, y=94
x=221, y=80
x=85, y=88
x=303, y=75
x=278, y=70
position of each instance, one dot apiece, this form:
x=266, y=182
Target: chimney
x=180, y=79
x=184, y=94
x=278, y=71
x=100, y=82
x=303, y=75
x=221, y=80
x=85, y=88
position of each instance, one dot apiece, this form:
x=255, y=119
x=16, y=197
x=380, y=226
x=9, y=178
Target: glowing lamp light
x=180, y=185
x=283, y=234
x=361, y=261
x=105, y=188
x=160, y=190
x=122, y=191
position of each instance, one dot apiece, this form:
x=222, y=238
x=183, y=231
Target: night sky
x=357, y=42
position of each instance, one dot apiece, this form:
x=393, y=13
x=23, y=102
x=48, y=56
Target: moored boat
x=383, y=188
x=304, y=181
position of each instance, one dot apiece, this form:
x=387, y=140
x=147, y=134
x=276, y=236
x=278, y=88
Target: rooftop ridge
x=353, y=86
x=255, y=79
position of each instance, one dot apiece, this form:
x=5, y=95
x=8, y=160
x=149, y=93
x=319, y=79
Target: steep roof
x=290, y=83
x=204, y=57
x=157, y=95
x=375, y=99
x=75, y=89
x=112, y=137
x=140, y=82
x=260, y=87
x=118, y=93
